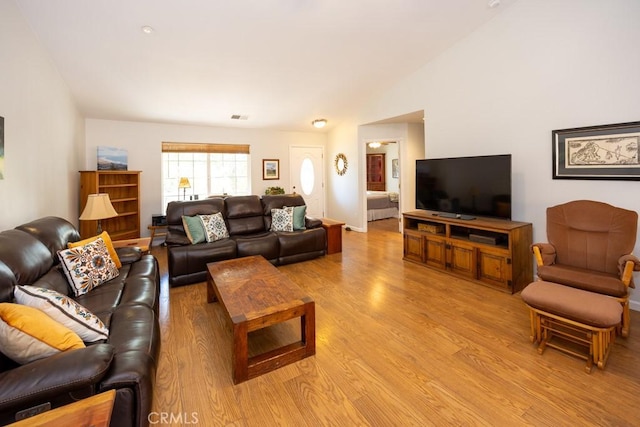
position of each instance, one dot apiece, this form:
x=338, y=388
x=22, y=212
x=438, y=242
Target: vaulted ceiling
x=279, y=64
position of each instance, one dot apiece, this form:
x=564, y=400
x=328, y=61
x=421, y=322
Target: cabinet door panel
x=494, y=268
x=435, y=252
x=462, y=259
x=413, y=247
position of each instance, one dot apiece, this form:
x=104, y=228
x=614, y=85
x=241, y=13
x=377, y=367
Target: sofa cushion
x=24, y=255
x=214, y=227
x=282, y=219
x=63, y=310
x=53, y=232
x=265, y=244
x=244, y=215
x=28, y=334
x=570, y=303
x=88, y=266
x=107, y=241
x=194, y=229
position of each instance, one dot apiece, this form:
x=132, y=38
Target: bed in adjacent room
x=382, y=205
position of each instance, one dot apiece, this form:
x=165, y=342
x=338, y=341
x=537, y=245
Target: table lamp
x=184, y=184
x=98, y=207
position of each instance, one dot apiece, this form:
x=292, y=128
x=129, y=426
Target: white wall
x=143, y=142
x=540, y=65
x=43, y=129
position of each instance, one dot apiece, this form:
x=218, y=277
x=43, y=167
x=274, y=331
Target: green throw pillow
x=194, y=229
x=299, y=212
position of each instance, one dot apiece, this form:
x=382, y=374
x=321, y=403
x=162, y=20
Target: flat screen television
x=465, y=187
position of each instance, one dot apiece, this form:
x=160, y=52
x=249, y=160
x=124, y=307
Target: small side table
x=143, y=243
x=155, y=228
x=334, y=235
x=92, y=411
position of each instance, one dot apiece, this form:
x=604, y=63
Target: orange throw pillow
x=107, y=241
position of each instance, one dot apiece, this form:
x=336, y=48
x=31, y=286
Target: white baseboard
x=634, y=305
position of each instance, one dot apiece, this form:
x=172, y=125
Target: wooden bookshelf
x=123, y=188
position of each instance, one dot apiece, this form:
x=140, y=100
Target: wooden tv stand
x=488, y=251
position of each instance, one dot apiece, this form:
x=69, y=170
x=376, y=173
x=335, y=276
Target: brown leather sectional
x=248, y=220
x=128, y=305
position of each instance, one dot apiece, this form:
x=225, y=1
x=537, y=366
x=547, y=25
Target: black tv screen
x=465, y=187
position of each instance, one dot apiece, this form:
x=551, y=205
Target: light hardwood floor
x=397, y=344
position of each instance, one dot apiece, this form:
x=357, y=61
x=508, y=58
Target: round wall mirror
x=341, y=164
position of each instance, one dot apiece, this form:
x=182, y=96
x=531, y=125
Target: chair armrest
x=545, y=253
x=312, y=222
x=627, y=264
x=128, y=255
x=46, y=378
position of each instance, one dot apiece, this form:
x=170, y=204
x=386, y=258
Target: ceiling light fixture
x=374, y=145
x=493, y=3
x=147, y=29
x=319, y=123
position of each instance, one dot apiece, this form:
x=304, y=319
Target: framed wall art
x=112, y=159
x=395, y=169
x=270, y=169
x=597, y=152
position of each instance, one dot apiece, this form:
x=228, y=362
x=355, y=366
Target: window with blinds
x=212, y=169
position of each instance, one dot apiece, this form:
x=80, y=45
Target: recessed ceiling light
x=147, y=29
x=493, y=3
x=319, y=123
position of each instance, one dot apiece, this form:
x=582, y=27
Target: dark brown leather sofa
x=248, y=220
x=128, y=306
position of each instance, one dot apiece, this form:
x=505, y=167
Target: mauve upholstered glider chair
x=590, y=247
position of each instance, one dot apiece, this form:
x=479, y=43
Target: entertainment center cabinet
x=493, y=252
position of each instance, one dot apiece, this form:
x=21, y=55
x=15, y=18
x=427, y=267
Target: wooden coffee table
x=256, y=295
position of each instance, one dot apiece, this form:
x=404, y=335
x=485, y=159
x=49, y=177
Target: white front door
x=307, y=177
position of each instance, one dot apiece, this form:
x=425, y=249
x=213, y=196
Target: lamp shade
x=98, y=207
x=184, y=183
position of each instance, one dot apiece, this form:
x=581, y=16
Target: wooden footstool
x=573, y=316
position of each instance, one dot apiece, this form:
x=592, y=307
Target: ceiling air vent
x=239, y=117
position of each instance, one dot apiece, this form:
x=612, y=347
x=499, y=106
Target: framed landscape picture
x=597, y=152
x=270, y=169
x=112, y=158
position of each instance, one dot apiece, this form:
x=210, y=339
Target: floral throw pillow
x=64, y=310
x=282, y=219
x=88, y=266
x=214, y=227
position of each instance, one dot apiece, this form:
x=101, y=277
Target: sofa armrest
x=545, y=253
x=47, y=378
x=312, y=222
x=129, y=255
x=176, y=238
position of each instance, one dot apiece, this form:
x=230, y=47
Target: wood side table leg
x=240, y=351
x=308, y=327
x=211, y=294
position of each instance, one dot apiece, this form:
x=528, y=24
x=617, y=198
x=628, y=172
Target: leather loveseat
x=127, y=305
x=248, y=221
